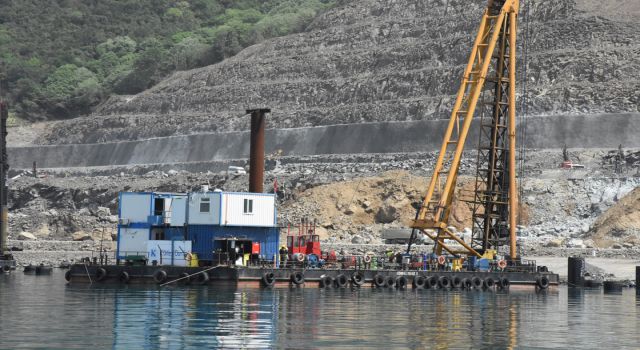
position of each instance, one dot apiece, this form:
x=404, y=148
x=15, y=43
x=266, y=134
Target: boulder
x=386, y=214
x=554, y=243
x=27, y=236
x=103, y=212
x=81, y=236
x=357, y=239
x=112, y=219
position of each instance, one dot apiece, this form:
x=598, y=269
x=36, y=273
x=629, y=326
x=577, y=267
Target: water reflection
x=46, y=313
x=252, y=318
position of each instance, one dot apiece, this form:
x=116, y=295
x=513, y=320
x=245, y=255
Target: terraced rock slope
x=385, y=60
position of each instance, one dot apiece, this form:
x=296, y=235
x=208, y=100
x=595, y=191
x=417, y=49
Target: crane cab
x=305, y=241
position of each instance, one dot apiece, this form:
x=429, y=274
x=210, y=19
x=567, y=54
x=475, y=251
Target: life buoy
x=300, y=257
x=444, y=282
x=378, y=281
x=502, y=264
x=268, y=279
x=419, y=282
x=489, y=283
x=124, y=277
x=101, y=274
x=297, y=278
x=160, y=276
x=67, y=276
x=389, y=282
x=357, y=279
x=341, y=281
x=401, y=282
x=542, y=282
x=441, y=260
x=367, y=259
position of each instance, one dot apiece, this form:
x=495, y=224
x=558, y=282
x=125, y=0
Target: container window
x=205, y=205
x=248, y=206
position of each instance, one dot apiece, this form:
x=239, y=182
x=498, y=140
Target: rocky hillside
x=620, y=224
x=378, y=60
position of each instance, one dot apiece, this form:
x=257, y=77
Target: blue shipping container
x=203, y=236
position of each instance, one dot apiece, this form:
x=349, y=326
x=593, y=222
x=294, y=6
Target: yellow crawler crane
x=490, y=76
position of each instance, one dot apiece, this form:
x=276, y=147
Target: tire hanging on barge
x=389, y=282
x=160, y=276
x=444, y=282
x=489, y=283
x=419, y=282
x=124, y=277
x=101, y=274
x=456, y=282
x=432, y=282
x=476, y=282
x=378, y=281
x=401, y=282
x=542, y=282
x=341, y=281
x=268, y=279
x=297, y=278
x=326, y=281
x=184, y=278
x=503, y=283
x=357, y=279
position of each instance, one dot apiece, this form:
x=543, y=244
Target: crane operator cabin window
x=205, y=205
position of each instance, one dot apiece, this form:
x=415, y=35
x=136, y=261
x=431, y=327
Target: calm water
x=43, y=312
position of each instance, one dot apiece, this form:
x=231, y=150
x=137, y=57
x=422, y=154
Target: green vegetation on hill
x=60, y=58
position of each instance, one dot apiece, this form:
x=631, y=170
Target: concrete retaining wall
x=592, y=131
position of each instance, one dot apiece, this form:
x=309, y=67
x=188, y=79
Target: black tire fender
x=389, y=282
x=124, y=277
x=432, y=282
x=326, y=281
x=67, y=276
x=357, y=279
x=489, y=283
x=542, y=282
x=503, y=283
x=184, y=278
x=444, y=282
x=419, y=282
x=401, y=282
x=378, y=281
x=101, y=274
x=456, y=282
x=160, y=276
x=476, y=282
x=268, y=278
x=297, y=278
x=203, y=278
x=341, y=281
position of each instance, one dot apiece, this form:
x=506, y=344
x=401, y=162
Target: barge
x=323, y=278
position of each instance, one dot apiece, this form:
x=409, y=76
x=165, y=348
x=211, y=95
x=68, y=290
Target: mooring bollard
x=575, y=272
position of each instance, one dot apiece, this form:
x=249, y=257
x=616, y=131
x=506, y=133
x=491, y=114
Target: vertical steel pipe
x=256, y=156
x=4, y=167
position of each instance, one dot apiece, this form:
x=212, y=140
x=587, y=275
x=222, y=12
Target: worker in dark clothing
x=284, y=256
